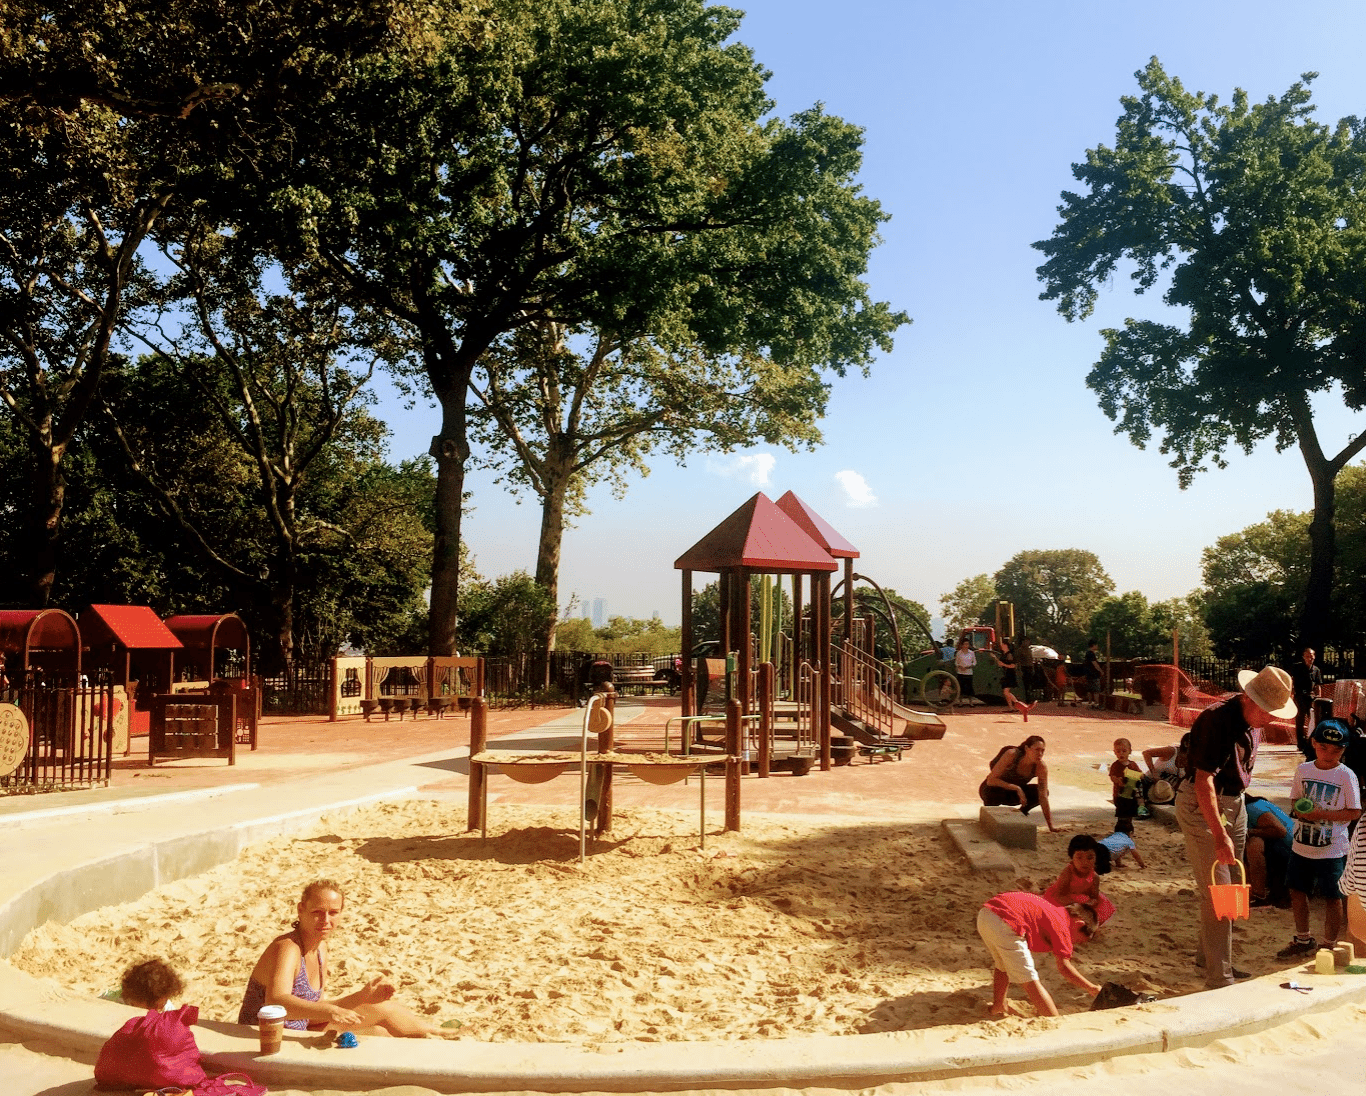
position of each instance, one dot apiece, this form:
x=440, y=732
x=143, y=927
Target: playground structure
x=793, y=697
x=86, y=687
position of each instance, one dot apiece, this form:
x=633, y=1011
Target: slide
x=919, y=725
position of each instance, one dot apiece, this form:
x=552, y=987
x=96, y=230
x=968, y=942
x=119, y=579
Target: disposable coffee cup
x=271, y=1020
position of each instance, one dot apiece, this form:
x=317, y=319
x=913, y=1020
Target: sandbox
x=811, y=916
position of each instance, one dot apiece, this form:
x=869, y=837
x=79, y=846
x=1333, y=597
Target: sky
x=976, y=437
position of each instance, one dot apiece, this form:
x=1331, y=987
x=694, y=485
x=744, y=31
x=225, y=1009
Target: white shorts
x=1009, y=952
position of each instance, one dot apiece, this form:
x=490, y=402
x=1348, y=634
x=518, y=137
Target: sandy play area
x=830, y=925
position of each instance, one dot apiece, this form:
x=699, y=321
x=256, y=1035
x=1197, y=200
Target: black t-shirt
x=1223, y=744
x=1092, y=664
x=1305, y=680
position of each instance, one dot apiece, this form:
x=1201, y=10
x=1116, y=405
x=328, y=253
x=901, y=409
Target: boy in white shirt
x=1318, y=854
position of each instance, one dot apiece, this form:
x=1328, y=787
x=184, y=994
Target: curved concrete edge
x=25, y=819
x=36, y=1008
x=128, y=874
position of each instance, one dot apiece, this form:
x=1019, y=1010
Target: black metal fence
x=304, y=688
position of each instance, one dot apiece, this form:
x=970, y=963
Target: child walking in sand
x=1126, y=779
x=1015, y=924
x=1078, y=883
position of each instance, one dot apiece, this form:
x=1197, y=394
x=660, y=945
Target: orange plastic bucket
x=1231, y=901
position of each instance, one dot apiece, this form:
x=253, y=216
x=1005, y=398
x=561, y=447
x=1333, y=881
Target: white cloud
x=754, y=467
x=857, y=493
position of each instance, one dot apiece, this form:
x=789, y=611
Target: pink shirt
x=1044, y=926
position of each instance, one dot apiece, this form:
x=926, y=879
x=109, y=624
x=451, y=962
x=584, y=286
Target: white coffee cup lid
x=271, y=1012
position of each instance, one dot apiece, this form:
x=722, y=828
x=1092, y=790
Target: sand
x=795, y=926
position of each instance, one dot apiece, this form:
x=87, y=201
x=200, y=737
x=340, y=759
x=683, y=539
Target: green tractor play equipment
x=929, y=678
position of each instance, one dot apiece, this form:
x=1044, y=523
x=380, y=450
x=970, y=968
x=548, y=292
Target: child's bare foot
x=1005, y=1010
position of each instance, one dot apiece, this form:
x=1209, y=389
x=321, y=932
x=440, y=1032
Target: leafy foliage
x=967, y=604
x=1055, y=593
x=1253, y=218
x=1255, y=579
x=1138, y=629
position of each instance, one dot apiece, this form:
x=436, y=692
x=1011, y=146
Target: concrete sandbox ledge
x=37, y=1009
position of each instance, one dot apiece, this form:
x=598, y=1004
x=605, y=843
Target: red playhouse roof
x=816, y=527
x=213, y=630
x=760, y=537
x=37, y=630
x=132, y=626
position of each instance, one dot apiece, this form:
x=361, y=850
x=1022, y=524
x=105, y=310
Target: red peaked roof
x=760, y=537
x=131, y=626
x=816, y=527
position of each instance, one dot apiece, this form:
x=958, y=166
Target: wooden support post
x=733, y=765
x=686, y=686
x=849, y=602
x=745, y=606
x=479, y=736
x=824, y=650
x=766, y=678
x=606, y=741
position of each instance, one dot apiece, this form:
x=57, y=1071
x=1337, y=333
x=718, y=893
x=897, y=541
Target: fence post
x=766, y=675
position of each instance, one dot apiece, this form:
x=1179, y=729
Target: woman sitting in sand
x=293, y=972
x=1009, y=782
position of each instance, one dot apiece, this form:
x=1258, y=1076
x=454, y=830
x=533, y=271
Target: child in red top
x=1079, y=882
x=1017, y=923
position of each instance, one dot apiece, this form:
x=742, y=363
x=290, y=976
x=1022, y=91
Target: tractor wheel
x=939, y=689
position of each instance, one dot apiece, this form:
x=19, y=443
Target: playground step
x=1007, y=826
x=980, y=851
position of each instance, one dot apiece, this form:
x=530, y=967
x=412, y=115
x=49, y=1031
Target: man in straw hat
x=1209, y=806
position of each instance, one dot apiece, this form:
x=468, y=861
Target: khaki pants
x=1216, y=936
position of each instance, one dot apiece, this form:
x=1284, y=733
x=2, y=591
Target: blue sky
x=976, y=438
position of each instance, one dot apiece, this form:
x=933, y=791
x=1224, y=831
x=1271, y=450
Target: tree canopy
x=1250, y=217
x=607, y=163
x=1055, y=592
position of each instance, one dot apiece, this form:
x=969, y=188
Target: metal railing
x=861, y=689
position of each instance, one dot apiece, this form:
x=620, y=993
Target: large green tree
x=603, y=165
x=110, y=113
x=1250, y=216
x=1055, y=592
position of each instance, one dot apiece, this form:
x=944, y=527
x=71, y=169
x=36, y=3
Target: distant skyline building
x=599, y=612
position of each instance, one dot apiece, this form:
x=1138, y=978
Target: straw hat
x=1161, y=792
x=1270, y=690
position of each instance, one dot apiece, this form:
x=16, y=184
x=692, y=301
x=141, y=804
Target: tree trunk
x=49, y=499
x=548, y=549
x=451, y=449
x=1316, y=614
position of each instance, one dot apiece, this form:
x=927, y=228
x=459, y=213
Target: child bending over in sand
x=293, y=972
x=1078, y=882
x=1015, y=924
